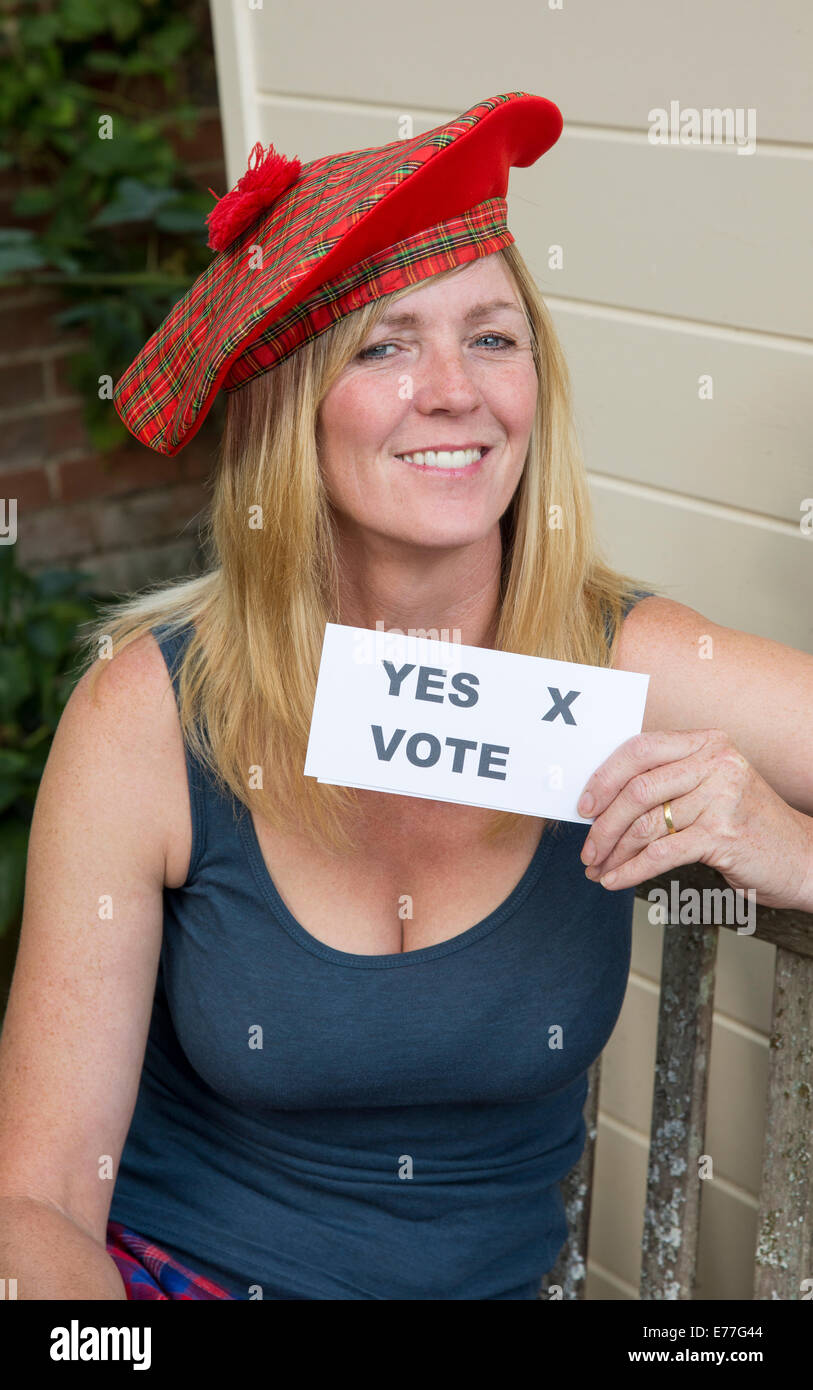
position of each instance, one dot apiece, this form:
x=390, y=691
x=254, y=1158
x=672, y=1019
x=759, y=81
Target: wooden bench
x=784, y=1254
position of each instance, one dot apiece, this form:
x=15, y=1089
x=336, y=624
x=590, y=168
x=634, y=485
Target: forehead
x=476, y=291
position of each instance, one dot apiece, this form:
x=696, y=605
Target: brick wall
x=130, y=516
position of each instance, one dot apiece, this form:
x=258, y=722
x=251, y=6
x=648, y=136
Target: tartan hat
x=299, y=246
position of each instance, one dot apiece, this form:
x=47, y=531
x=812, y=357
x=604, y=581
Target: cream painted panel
x=601, y=63
x=703, y=234
x=699, y=233
x=756, y=578
x=744, y=986
x=647, y=945
x=745, y=967
x=635, y=386
x=311, y=129
x=597, y=1287
x=735, y=1120
x=728, y=1234
x=628, y=1061
x=619, y=1190
x=727, y=1222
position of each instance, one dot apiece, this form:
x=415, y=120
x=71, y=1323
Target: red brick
x=54, y=534
x=65, y=430
x=61, y=382
x=124, y=470
x=29, y=298
x=29, y=485
x=196, y=461
x=33, y=327
x=208, y=176
x=25, y=439
x=21, y=384
x=159, y=514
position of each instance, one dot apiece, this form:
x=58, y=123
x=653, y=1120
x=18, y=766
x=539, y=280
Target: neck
x=388, y=584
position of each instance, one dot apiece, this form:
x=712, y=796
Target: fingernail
x=585, y=805
x=609, y=879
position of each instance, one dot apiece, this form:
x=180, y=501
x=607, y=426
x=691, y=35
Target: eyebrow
x=477, y=311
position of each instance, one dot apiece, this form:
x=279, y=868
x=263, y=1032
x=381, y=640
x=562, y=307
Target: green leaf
x=11, y=236
x=172, y=39
x=134, y=201
x=16, y=682
x=186, y=213
x=39, y=31
x=16, y=262
x=14, y=767
x=34, y=200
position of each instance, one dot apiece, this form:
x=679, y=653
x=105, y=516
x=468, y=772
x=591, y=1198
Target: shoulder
x=666, y=640
x=657, y=625
x=132, y=704
x=132, y=694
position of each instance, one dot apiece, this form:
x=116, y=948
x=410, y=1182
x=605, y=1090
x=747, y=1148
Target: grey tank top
x=403, y=1128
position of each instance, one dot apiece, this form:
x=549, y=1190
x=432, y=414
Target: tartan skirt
x=149, y=1272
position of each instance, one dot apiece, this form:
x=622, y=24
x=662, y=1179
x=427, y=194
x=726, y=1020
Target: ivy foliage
x=118, y=225
x=40, y=616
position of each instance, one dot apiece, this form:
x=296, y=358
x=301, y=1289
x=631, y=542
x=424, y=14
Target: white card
x=448, y=722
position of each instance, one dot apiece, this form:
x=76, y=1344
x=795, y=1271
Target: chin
x=431, y=536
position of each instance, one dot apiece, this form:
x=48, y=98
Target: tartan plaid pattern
x=149, y=1272
x=477, y=233
x=397, y=212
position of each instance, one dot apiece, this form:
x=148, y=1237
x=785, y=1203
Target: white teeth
x=444, y=458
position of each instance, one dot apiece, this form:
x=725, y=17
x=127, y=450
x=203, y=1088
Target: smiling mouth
x=445, y=460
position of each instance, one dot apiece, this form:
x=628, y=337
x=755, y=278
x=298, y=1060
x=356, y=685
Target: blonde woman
x=230, y=1067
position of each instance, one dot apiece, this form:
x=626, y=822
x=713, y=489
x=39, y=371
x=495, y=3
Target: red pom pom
x=263, y=181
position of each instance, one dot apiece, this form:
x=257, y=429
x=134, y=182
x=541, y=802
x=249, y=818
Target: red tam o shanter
x=335, y=234
x=263, y=181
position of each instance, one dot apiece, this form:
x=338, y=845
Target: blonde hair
x=248, y=675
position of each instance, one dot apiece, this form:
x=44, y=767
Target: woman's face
x=449, y=368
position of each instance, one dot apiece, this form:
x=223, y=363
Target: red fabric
x=263, y=181
x=343, y=211
x=148, y=1272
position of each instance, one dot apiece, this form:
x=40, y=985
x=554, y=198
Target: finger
x=684, y=847
x=635, y=755
x=644, y=792
x=650, y=826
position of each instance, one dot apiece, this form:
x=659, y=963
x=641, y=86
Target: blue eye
x=503, y=340
x=366, y=351
x=507, y=342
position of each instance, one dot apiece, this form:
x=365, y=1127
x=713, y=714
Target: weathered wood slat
x=672, y=1211
x=570, y=1270
x=784, y=1255
x=672, y=1215
x=782, y=926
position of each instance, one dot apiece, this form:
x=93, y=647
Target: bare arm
x=49, y=1256
x=75, y=1030
x=705, y=676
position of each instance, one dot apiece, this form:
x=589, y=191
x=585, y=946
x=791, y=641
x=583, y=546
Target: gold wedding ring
x=667, y=811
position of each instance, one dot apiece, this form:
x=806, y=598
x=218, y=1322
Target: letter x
x=560, y=706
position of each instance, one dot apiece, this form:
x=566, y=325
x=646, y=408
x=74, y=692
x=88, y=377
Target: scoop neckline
x=251, y=844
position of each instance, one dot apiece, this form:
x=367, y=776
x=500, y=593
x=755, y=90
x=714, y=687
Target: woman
x=316, y=1042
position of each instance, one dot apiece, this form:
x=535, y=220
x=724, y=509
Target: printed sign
x=419, y=717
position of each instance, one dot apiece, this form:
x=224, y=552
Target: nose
x=444, y=380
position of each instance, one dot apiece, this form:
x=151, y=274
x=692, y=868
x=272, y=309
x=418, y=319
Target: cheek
x=511, y=394
x=365, y=409
x=523, y=400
